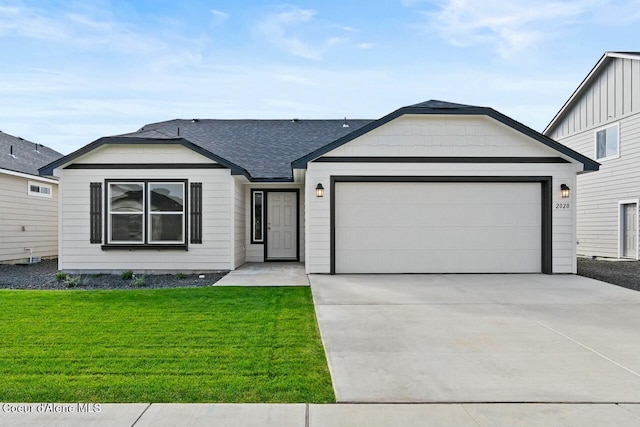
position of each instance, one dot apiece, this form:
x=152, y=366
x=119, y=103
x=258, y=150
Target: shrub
x=138, y=282
x=61, y=276
x=181, y=276
x=72, y=282
x=127, y=275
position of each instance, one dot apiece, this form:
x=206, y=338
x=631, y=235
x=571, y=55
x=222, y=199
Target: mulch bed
x=43, y=276
x=621, y=273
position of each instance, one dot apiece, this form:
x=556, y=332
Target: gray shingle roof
x=27, y=159
x=265, y=148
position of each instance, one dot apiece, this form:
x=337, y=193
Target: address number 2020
x=563, y=205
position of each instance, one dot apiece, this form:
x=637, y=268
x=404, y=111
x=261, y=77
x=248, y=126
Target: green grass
x=169, y=345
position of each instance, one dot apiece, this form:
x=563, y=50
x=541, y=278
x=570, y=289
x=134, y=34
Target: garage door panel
x=403, y=193
x=446, y=261
x=420, y=214
x=469, y=238
x=433, y=227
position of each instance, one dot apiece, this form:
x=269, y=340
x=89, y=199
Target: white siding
x=599, y=192
x=26, y=221
x=613, y=94
x=444, y=136
x=404, y=139
x=141, y=153
x=239, y=225
x=216, y=250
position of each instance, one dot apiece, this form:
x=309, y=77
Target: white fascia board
x=28, y=176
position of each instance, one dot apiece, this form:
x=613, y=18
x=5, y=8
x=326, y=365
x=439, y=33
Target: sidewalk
x=330, y=415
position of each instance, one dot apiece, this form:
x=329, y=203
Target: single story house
x=28, y=201
x=601, y=120
x=435, y=187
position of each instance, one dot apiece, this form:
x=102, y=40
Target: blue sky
x=74, y=71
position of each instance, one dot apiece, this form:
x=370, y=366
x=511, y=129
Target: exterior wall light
x=319, y=190
x=564, y=190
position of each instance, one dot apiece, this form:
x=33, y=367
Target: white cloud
x=218, y=17
x=510, y=26
x=289, y=30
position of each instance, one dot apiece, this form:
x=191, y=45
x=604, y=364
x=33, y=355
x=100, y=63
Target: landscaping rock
x=43, y=276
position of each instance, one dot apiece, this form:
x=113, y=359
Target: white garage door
x=437, y=227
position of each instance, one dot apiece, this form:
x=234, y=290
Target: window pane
x=257, y=216
x=126, y=228
x=167, y=227
x=612, y=141
x=601, y=144
x=167, y=197
x=126, y=197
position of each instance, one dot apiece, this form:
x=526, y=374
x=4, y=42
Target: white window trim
x=253, y=217
x=40, y=185
x=595, y=142
x=109, y=213
x=150, y=214
x=621, y=203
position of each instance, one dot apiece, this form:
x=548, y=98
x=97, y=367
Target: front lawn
x=170, y=345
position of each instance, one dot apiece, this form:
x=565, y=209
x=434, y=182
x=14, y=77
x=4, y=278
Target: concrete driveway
x=479, y=338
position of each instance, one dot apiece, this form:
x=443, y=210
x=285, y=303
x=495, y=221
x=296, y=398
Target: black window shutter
x=95, y=212
x=196, y=212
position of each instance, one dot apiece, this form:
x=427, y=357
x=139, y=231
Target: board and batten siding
x=214, y=253
x=612, y=95
x=425, y=136
x=27, y=221
x=599, y=192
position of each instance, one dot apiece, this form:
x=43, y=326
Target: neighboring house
x=432, y=187
x=601, y=120
x=28, y=202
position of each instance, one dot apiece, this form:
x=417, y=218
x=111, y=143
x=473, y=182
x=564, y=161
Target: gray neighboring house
x=601, y=120
x=28, y=202
x=434, y=187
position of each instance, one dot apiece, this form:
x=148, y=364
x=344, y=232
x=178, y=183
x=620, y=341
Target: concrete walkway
x=266, y=274
x=479, y=338
x=337, y=415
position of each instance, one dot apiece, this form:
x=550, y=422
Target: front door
x=282, y=227
x=629, y=230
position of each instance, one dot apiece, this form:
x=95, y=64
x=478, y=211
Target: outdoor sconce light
x=564, y=190
x=319, y=190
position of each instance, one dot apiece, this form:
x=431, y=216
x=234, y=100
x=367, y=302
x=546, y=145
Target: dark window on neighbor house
x=257, y=213
x=38, y=189
x=146, y=212
x=607, y=144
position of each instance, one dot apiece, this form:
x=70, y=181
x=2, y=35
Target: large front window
x=146, y=212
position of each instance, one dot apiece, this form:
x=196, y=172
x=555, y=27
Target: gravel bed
x=43, y=276
x=621, y=273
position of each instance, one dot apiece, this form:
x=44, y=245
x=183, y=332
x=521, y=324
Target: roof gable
x=435, y=107
x=439, y=135
x=591, y=78
x=48, y=169
x=27, y=156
